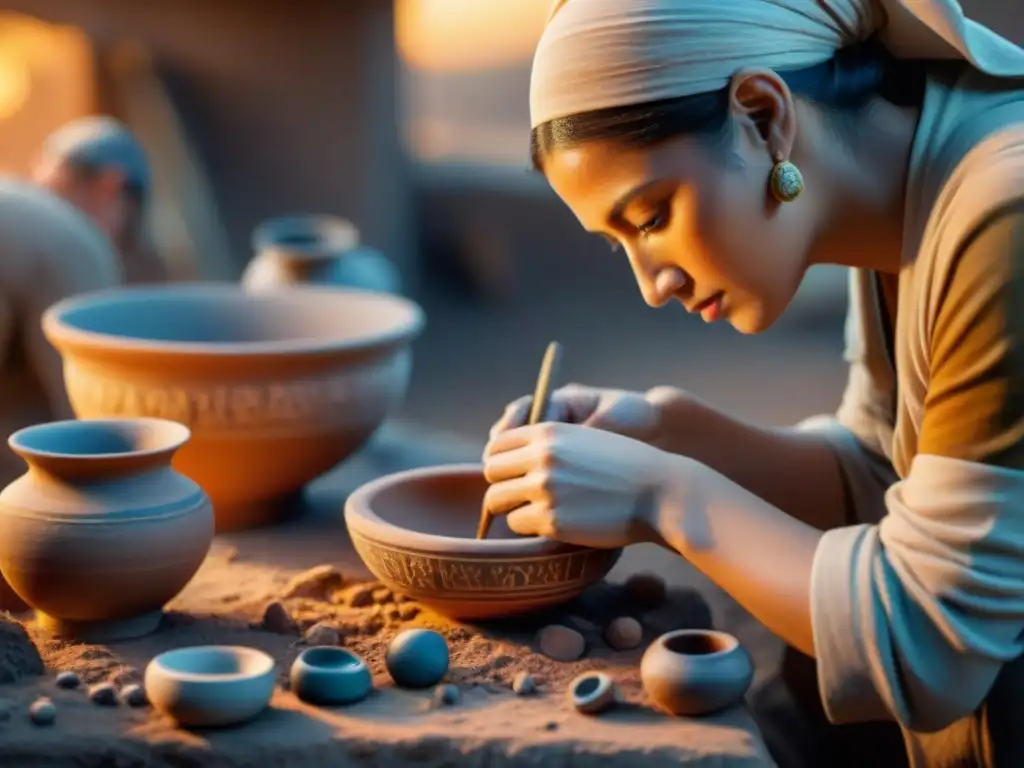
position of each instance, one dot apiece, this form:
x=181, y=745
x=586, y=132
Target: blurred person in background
x=724, y=148
x=72, y=228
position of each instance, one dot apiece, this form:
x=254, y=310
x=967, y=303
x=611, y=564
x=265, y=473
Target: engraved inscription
x=301, y=404
x=422, y=573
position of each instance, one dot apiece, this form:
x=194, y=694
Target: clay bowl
x=276, y=387
x=415, y=531
x=329, y=676
x=695, y=671
x=209, y=686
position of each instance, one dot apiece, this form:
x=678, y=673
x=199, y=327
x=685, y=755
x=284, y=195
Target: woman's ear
x=762, y=106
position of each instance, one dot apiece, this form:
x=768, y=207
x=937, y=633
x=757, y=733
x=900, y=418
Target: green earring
x=786, y=181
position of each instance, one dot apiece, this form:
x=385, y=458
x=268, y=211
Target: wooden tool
x=541, y=399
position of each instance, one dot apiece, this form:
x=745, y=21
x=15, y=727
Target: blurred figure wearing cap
x=97, y=165
x=69, y=229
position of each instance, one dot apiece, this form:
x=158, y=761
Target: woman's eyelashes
x=656, y=222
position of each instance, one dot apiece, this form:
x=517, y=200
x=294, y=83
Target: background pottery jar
x=322, y=250
x=696, y=671
x=277, y=386
x=101, y=532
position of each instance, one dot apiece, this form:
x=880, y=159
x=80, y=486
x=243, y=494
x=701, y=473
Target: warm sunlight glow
x=15, y=84
x=461, y=34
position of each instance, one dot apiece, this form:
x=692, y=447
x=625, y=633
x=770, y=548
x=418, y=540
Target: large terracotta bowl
x=276, y=387
x=416, y=530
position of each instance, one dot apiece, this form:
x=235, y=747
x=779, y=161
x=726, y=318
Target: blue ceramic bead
x=417, y=658
x=330, y=676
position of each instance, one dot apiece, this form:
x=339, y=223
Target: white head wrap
x=596, y=54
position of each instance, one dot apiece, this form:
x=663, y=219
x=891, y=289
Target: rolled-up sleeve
x=915, y=616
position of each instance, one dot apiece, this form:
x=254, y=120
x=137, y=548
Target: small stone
x=624, y=633
x=551, y=725
x=68, y=680
x=447, y=694
x=42, y=712
x=408, y=611
x=561, y=643
x=523, y=684
x=322, y=634
x=317, y=583
x=645, y=591
x=277, y=619
x=382, y=595
x=103, y=694
x=359, y=596
x=134, y=696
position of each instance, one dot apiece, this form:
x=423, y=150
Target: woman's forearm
x=794, y=471
x=735, y=539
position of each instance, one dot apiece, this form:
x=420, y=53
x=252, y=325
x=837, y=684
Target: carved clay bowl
x=416, y=530
x=276, y=387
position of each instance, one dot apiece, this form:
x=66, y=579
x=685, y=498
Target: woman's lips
x=711, y=309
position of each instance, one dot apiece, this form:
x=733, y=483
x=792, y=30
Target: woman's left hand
x=574, y=483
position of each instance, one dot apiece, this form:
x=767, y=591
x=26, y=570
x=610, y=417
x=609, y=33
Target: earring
x=786, y=181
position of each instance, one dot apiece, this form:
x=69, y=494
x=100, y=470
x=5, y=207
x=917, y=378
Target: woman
x=886, y=544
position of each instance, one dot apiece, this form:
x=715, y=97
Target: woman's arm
x=794, y=470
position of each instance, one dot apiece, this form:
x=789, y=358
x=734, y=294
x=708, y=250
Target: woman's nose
x=659, y=288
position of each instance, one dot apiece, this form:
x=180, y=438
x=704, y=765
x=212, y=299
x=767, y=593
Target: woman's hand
x=575, y=483
x=613, y=410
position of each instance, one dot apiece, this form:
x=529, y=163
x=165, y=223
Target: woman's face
x=696, y=221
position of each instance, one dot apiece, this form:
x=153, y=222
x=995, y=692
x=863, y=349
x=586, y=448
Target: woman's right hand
x=613, y=410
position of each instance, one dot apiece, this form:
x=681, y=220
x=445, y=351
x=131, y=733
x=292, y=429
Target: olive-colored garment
x=918, y=607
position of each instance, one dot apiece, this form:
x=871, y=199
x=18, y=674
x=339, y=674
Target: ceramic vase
x=695, y=671
x=101, y=532
x=318, y=250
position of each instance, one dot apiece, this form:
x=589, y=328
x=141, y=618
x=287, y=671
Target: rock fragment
x=624, y=633
x=561, y=643
x=277, y=619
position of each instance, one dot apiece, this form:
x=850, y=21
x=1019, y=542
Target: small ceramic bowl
x=330, y=676
x=696, y=671
x=416, y=532
x=210, y=686
x=592, y=693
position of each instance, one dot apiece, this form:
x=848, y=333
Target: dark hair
x=843, y=84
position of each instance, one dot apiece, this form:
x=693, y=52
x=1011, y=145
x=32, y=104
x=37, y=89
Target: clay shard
x=319, y=582
x=19, y=656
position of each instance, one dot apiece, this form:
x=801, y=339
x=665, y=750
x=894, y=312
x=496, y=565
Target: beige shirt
x=918, y=607
x=48, y=251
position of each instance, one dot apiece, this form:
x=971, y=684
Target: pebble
x=560, y=643
x=68, y=680
x=523, y=684
x=277, y=619
x=318, y=582
x=624, y=633
x=134, y=696
x=645, y=591
x=359, y=596
x=42, y=712
x=103, y=694
x=322, y=634
x=447, y=695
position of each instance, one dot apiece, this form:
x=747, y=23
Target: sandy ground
x=491, y=726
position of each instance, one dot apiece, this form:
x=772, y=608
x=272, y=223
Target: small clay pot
x=416, y=532
x=277, y=386
x=695, y=671
x=101, y=532
x=330, y=676
x=592, y=693
x=318, y=250
x=210, y=686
